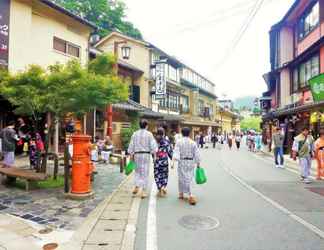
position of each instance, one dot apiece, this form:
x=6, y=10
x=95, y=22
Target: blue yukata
x=161, y=166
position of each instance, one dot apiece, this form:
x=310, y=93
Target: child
x=94, y=153
x=36, y=147
x=106, y=151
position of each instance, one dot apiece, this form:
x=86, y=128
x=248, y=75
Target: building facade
x=296, y=57
x=39, y=32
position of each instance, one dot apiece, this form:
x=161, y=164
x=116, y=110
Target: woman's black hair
x=185, y=132
x=143, y=124
x=160, y=134
x=11, y=123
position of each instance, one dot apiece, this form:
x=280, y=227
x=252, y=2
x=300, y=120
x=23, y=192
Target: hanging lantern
x=313, y=118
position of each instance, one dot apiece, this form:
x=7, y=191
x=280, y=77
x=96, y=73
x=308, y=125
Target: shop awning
x=129, y=105
x=202, y=123
x=294, y=110
x=172, y=118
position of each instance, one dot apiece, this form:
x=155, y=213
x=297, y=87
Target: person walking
x=230, y=141
x=187, y=155
x=278, y=140
x=238, y=140
x=303, y=147
x=161, y=166
x=9, y=139
x=201, y=140
x=141, y=147
x=319, y=155
x=258, y=142
x=214, y=139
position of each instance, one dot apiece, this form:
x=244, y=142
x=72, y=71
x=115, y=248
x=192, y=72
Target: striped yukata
x=142, y=146
x=187, y=154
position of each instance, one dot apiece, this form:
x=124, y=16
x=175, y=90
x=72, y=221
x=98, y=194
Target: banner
x=317, y=87
x=160, y=81
x=4, y=32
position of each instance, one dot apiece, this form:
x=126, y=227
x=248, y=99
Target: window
x=73, y=50
x=309, y=21
x=59, y=45
x=66, y=47
x=295, y=80
x=173, y=73
x=201, y=107
x=304, y=72
x=185, y=104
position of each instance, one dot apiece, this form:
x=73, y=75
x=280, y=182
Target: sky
x=201, y=34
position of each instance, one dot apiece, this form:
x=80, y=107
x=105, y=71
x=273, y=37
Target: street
x=248, y=204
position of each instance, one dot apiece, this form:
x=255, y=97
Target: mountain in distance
x=245, y=102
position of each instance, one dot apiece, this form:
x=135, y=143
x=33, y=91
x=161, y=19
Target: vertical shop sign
x=160, y=81
x=4, y=32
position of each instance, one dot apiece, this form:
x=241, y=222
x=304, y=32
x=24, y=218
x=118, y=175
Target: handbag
x=25, y=148
x=130, y=167
x=200, y=176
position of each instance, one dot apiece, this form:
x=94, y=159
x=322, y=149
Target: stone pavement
x=115, y=227
x=49, y=210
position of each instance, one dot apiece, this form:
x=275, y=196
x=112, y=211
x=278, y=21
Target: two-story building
x=198, y=102
x=39, y=32
x=296, y=56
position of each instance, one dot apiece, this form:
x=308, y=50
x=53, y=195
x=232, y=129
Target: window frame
x=302, y=33
x=67, y=45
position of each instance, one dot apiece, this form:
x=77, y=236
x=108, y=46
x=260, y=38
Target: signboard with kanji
x=160, y=81
x=317, y=87
x=4, y=32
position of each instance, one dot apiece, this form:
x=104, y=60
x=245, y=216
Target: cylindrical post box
x=81, y=165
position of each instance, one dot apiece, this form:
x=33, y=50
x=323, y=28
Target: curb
x=82, y=234
x=291, y=164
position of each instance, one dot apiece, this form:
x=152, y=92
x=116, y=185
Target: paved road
x=258, y=208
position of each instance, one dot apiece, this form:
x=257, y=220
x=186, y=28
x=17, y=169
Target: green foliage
x=251, y=123
x=126, y=133
x=64, y=88
x=49, y=183
x=107, y=15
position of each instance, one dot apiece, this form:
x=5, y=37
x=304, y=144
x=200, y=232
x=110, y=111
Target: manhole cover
x=198, y=222
x=50, y=246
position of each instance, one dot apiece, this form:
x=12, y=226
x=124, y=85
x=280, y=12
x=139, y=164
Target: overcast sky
x=201, y=33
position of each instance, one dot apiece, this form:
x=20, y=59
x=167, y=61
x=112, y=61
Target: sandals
x=135, y=191
x=192, y=201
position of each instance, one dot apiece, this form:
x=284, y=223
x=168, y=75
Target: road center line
x=151, y=228
x=295, y=217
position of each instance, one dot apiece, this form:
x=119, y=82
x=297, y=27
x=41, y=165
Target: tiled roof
x=68, y=13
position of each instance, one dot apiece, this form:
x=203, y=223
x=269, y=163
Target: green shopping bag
x=130, y=167
x=200, y=176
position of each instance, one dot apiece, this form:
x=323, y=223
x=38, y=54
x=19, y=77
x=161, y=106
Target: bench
x=25, y=174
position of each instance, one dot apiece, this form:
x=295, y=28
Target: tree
x=107, y=15
x=62, y=89
x=251, y=123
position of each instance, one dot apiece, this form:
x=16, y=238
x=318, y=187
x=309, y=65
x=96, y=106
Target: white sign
x=160, y=81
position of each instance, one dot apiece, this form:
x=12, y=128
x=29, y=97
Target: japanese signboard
x=4, y=32
x=160, y=81
x=317, y=87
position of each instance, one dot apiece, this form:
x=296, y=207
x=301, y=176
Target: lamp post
x=125, y=55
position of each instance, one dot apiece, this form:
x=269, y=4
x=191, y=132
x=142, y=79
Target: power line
x=241, y=32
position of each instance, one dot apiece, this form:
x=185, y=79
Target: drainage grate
x=317, y=190
x=198, y=222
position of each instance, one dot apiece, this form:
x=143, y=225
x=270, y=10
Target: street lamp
x=125, y=55
x=126, y=52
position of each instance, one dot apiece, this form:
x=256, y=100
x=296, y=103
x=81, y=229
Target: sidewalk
x=112, y=226
x=291, y=164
